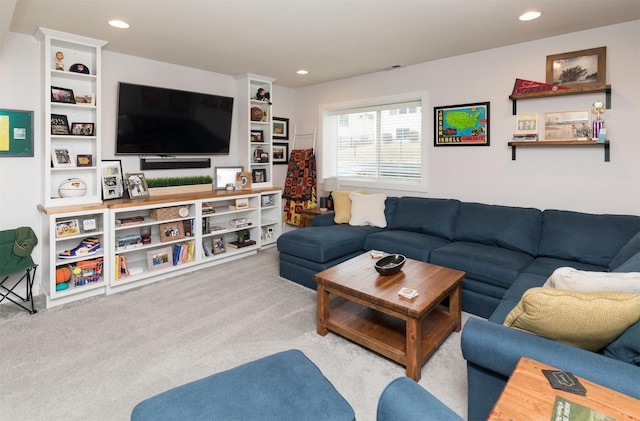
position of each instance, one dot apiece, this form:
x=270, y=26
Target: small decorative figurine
x=263, y=95
x=59, y=62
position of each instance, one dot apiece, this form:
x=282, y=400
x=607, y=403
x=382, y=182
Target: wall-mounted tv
x=161, y=121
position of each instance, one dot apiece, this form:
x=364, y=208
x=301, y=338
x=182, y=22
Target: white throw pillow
x=367, y=209
x=580, y=280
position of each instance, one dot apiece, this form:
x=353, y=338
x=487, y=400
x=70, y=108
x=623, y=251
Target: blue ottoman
x=283, y=386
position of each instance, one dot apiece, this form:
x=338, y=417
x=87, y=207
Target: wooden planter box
x=164, y=191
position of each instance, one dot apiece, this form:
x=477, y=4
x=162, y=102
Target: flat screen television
x=161, y=121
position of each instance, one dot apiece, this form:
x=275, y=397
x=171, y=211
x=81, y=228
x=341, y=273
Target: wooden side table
x=307, y=215
x=529, y=396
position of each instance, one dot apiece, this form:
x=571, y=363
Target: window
x=376, y=143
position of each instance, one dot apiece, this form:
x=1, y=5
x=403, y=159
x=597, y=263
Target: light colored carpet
x=97, y=358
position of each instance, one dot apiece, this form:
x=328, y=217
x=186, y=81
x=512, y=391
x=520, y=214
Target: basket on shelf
x=90, y=271
x=173, y=212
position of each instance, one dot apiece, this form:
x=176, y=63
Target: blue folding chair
x=17, y=265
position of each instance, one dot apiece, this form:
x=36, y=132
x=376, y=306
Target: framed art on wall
x=280, y=153
x=586, y=68
x=567, y=125
x=462, y=125
x=280, y=128
x=112, y=181
x=16, y=133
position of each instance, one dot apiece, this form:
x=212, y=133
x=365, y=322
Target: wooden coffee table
x=368, y=310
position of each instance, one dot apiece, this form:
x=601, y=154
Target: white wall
x=567, y=178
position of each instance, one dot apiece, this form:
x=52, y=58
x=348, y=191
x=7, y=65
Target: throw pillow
x=580, y=280
x=632, y=247
x=368, y=209
x=342, y=206
x=588, y=320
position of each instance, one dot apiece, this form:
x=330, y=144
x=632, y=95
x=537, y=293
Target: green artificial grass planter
x=179, y=185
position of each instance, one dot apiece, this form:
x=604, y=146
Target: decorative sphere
x=256, y=114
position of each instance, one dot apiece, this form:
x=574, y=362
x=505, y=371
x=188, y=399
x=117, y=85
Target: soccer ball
x=72, y=187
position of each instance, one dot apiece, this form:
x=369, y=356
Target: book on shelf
x=240, y=222
x=525, y=137
x=132, y=220
x=237, y=245
x=124, y=269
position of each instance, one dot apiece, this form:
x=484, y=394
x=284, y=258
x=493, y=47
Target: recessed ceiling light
x=118, y=24
x=530, y=15
x=302, y=72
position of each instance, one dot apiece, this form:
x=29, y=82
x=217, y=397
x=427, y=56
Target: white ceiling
x=332, y=39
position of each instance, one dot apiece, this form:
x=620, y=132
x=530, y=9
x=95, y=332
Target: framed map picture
x=462, y=125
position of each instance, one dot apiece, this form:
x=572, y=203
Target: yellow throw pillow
x=342, y=206
x=588, y=320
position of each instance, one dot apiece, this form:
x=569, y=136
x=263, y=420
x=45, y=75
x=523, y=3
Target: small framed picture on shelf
x=82, y=129
x=243, y=180
x=257, y=135
x=567, y=125
x=89, y=224
x=259, y=175
x=136, y=185
x=218, y=244
x=226, y=175
x=526, y=123
x=62, y=95
x=67, y=227
x=159, y=258
x=86, y=99
x=280, y=128
x=171, y=231
x=59, y=124
x=84, y=160
x=267, y=201
x=61, y=157
x=280, y=153
x=242, y=203
x=112, y=180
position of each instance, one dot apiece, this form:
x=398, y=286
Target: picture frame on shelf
x=18, y=140
x=259, y=175
x=84, y=160
x=226, y=175
x=567, y=125
x=67, y=227
x=242, y=203
x=86, y=99
x=62, y=157
x=136, y=185
x=243, y=180
x=218, y=244
x=59, y=124
x=280, y=128
x=171, y=231
x=62, y=95
x=83, y=129
x=526, y=123
x=280, y=153
x=112, y=179
x=257, y=136
x=476, y=128
x=267, y=201
x=159, y=258
x=89, y=224
x=579, y=69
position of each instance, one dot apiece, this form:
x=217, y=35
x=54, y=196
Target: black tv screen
x=161, y=121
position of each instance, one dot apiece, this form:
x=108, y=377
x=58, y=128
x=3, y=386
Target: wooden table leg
x=323, y=310
x=455, y=307
x=414, y=349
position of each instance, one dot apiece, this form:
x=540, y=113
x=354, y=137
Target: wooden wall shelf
x=573, y=91
x=560, y=143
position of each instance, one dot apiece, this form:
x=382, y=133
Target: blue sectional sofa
x=504, y=251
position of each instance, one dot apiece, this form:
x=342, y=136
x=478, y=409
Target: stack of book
x=240, y=222
x=525, y=137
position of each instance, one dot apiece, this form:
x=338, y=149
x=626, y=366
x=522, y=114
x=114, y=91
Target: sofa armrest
x=323, y=220
x=403, y=399
x=497, y=348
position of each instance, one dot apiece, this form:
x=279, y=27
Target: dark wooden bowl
x=390, y=264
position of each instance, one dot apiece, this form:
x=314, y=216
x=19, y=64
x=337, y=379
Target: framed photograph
x=267, y=200
x=257, y=135
x=16, y=133
x=280, y=128
x=171, y=231
x=280, y=153
x=243, y=179
x=159, y=258
x=59, y=124
x=218, y=245
x=462, y=125
x=86, y=99
x=68, y=227
x=226, y=175
x=136, y=185
x=82, y=129
x=112, y=180
x=527, y=123
x=259, y=175
x=567, y=125
x=61, y=157
x=242, y=203
x=585, y=68
x=62, y=95
x=84, y=160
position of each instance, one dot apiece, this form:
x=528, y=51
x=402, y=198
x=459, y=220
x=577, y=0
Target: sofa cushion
x=426, y=215
x=368, y=209
x=588, y=320
x=580, y=280
x=631, y=248
x=631, y=265
x=491, y=264
x=342, y=206
x=627, y=347
x=411, y=244
x=504, y=226
x=594, y=239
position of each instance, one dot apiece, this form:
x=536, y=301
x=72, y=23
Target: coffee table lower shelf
x=387, y=334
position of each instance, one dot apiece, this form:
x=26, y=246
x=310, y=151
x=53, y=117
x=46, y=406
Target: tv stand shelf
x=560, y=143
